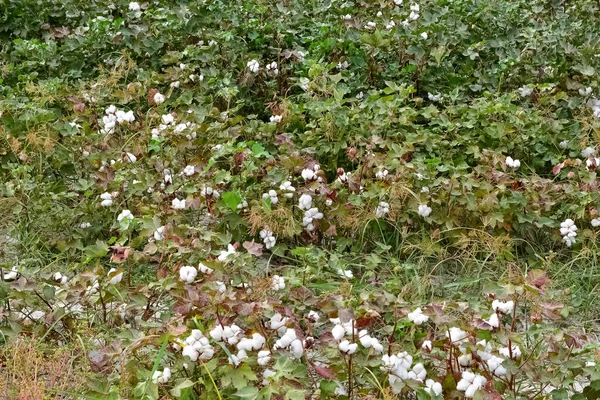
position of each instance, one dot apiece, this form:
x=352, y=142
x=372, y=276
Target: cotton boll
x=296, y=348
x=133, y=6
x=117, y=278
x=188, y=274
x=107, y=199
x=347, y=348
x=338, y=332
x=58, y=277
x=159, y=233
x=424, y=210
x=253, y=66
x=417, y=317
x=433, y=387
x=494, y=321
x=178, y=204
x=264, y=357
x=456, y=334
x=124, y=215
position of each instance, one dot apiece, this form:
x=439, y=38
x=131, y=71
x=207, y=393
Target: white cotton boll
x=564, y=144
x=376, y=346
x=510, y=162
x=276, y=119
x=188, y=274
x=338, y=332
x=174, y=84
x=158, y=98
x=167, y=119
x=190, y=352
x=85, y=225
x=424, y=35
x=424, y=210
x=278, y=322
x=463, y=385
x=365, y=339
x=226, y=253
x=268, y=373
x=516, y=351
x=433, y=387
x=125, y=214
x=595, y=222
x=107, y=199
x=456, y=334
x=133, y=6
x=417, y=317
x=253, y=66
x=382, y=209
x=189, y=170
x=427, y=345
x=503, y=307
x=130, y=158
x=465, y=359
x=204, y=269
x=305, y=202
x=433, y=97
x=588, y=151
x=159, y=233
x=111, y=109
x=264, y=357
x=308, y=174
x=58, y=277
x=525, y=91
x=277, y=283
x=296, y=348
x=347, y=17
x=370, y=25
x=178, y=204
x=347, y=348
x=245, y=344
x=117, y=278
x=345, y=273
x=381, y=174
x=494, y=321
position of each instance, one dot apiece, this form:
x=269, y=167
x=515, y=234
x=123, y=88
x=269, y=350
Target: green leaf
x=232, y=199
x=182, y=386
x=248, y=393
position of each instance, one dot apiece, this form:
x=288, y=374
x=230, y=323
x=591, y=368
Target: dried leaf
x=253, y=248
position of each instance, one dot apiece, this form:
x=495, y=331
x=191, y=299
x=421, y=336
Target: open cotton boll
x=125, y=214
x=382, y=209
x=338, y=332
x=345, y=273
x=58, y=277
x=204, y=269
x=188, y=274
x=278, y=322
x=456, y=335
x=264, y=357
x=427, y=345
x=515, y=350
x=512, y=163
x=116, y=278
x=107, y=199
x=253, y=66
x=424, y=210
x=162, y=376
x=159, y=233
x=226, y=253
x=433, y=387
x=494, y=321
x=178, y=204
x=305, y=202
x=503, y=307
x=133, y=6
x=347, y=348
x=417, y=317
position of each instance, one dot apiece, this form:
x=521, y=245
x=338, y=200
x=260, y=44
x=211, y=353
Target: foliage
x=285, y=168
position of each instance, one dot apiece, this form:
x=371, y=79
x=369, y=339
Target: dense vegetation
x=299, y=199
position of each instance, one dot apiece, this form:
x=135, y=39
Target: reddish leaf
x=325, y=372
x=253, y=248
x=557, y=168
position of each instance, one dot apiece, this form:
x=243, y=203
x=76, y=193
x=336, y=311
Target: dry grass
x=32, y=372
